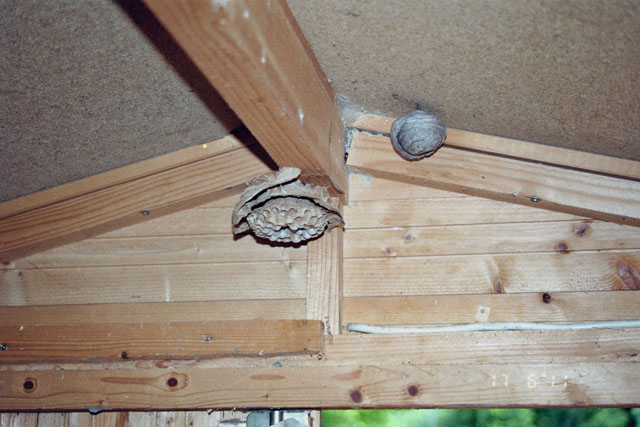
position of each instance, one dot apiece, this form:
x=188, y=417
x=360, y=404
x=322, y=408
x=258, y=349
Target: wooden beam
x=512, y=180
x=401, y=386
x=477, y=239
x=486, y=274
x=158, y=340
x=324, y=280
x=523, y=307
x=255, y=55
x=168, y=312
x=530, y=151
x=113, y=200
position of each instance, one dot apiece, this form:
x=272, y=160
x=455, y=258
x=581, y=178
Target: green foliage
x=483, y=418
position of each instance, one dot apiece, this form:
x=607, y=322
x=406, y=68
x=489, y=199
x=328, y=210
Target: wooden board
x=443, y=211
x=128, y=202
x=402, y=386
x=525, y=307
x=192, y=311
x=560, y=189
x=558, y=236
x=482, y=274
x=324, y=280
x=158, y=340
x=501, y=347
x=514, y=148
x=160, y=250
x=256, y=57
x=154, y=283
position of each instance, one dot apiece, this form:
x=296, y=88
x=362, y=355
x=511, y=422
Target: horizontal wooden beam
x=256, y=57
x=523, y=307
x=530, y=151
x=364, y=386
x=487, y=175
x=116, y=199
x=167, y=312
x=158, y=340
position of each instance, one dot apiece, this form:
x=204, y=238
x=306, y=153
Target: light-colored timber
x=158, y=340
x=256, y=57
x=402, y=386
x=522, y=307
x=324, y=280
x=528, y=151
x=127, y=202
x=506, y=179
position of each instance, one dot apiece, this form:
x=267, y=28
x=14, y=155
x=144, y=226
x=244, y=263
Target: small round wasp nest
x=278, y=207
x=417, y=135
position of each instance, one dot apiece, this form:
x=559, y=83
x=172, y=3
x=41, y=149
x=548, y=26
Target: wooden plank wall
x=412, y=255
x=416, y=255
x=187, y=256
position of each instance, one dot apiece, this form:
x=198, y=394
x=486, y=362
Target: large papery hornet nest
x=278, y=207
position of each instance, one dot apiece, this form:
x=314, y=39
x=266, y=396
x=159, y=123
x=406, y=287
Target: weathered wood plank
x=126, y=203
x=402, y=386
x=159, y=340
x=564, y=237
x=14, y=419
x=484, y=274
x=515, y=148
x=367, y=188
x=255, y=55
x=443, y=211
x=160, y=250
x=324, y=280
x=153, y=283
x=194, y=311
x=517, y=347
x=529, y=307
x=559, y=189
x=118, y=176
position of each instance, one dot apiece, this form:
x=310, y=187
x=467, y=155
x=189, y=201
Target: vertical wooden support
x=254, y=54
x=324, y=280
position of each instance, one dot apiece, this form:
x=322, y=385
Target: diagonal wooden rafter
x=254, y=54
x=126, y=196
x=491, y=167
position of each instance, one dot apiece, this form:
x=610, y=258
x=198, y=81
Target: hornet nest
x=278, y=207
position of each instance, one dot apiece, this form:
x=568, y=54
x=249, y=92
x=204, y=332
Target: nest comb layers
x=278, y=207
x=417, y=135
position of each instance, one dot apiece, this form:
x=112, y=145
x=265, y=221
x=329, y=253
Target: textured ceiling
x=84, y=89
x=89, y=86
x=560, y=72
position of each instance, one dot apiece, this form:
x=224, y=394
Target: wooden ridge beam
x=119, y=198
x=361, y=386
x=158, y=340
x=255, y=55
x=506, y=179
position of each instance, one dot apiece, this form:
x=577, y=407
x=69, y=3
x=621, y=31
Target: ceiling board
x=565, y=73
x=84, y=89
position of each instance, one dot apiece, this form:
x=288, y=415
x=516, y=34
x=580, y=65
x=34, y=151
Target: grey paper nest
x=278, y=207
x=417, y=135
